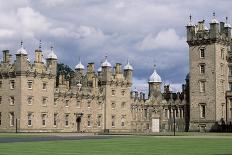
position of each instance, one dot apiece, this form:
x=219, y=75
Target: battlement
x=200, y=34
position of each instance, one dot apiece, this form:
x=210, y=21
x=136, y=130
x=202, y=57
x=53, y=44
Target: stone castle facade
x=92, y=101
x=35, y=98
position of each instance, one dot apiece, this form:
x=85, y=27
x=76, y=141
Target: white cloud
x=167, y=39
x=5, y=33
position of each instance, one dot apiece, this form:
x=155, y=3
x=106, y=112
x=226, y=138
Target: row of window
x=177, y=112
x=113, y=92
x=113, y=105
x=66, y=119
x=202, y=69
x=29, y=100
x=29, y=84
x=202, y=53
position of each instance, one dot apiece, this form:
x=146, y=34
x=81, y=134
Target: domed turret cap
x=106, y=63
x=155, y=77
x=128, y=66
x=52, y=55
x=22, y=50
x=79, y=65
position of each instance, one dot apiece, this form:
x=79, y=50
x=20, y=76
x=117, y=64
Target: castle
x=35, y=98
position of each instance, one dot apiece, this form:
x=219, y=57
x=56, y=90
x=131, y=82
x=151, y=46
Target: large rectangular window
x=55, y=119
x=113, y=121
x=12, y=118
x=99, y=118
x=0, y=118
x=202, y=86
x=44, y=120
x=123, y=120
x=66, y=120
x=29, y=119
x=202, y=110
x=89, y=121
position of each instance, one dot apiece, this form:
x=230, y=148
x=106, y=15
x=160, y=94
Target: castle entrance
x=78, y=121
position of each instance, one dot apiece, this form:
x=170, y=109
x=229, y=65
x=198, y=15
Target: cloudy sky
x=143, y=31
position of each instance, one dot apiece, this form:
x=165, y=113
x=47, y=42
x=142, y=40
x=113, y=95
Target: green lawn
x=124, y=146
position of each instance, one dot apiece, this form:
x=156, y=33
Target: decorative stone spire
x=22, y=50
x=52, y=55
x=128, y=66
x=155, y=77
x=106, y=63
x=79, y=65
x=190, y=21
x=214, y=20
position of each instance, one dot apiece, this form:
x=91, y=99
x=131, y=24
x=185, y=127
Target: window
x=0, y=118
x=113, y=105
x=123, y=120
x=0, y=99
x=89, y=120
x=29, y=119
x=30, y=100
x=223, y=112
x=88, y=104
x=230, y=86
x=113, y=121
x=55, y=119
x=113, y=92
x=44, y=119
x=0, y=84
x=29, y=83
x=166, y=113
x=66, y=103
x=12, y=117
x=99, y=117
x=44, y=101
x=44, y=87
x=202, y=86
x=66, y=120
x=202, y=110
x=202, y=53
x=12, y=84
x=12, y=100
x=55, y=101
x=222, y=85
x=78, y=103
x=222, y=69
x=99, y=105
x=202, y=68
x=222, y=54
x=123, y=105
x=230, y=71
x=123, y=92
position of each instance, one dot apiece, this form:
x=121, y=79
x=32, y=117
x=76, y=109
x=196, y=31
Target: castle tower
x=154, y=84
x=128, y=69
x=52, y=62
x=21, y=64
x=38, y=54
x=106, y=71
x=208, y=77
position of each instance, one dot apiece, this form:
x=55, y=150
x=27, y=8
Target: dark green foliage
x=63, y=69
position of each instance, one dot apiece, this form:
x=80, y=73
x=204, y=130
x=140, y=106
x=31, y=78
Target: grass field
x=122, y=146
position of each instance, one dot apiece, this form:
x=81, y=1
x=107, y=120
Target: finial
x=190, y=18
x=226, y=19
x=40, y=44
x=154, y=66
x=213, y=14
x=21, y=43
x=51, y=48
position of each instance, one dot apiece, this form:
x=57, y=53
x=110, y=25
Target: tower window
x=222, y=69
x=12, y=100
x=113, y=92
x=222, y=54
x=202, y=110
x=202, y=86
x=202, y=68
x=230, y=71
x=123, y=120
x=113, y=105
x=44, y=86
x=66, y=103
x=12, y=84
x=78, y=104
x=88, y=104
x=29, y=100
x=99, y=120
x=29, y=83
x=44, y=101
x=202, y=53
